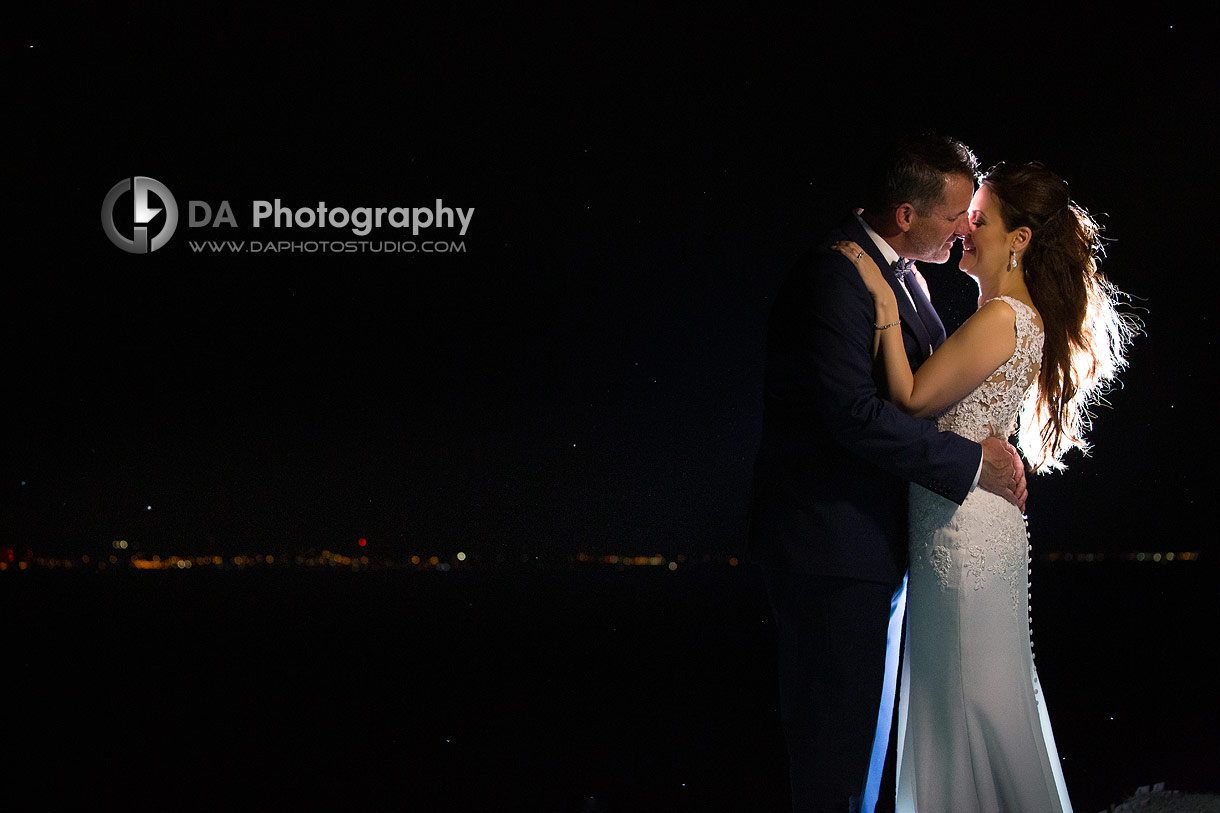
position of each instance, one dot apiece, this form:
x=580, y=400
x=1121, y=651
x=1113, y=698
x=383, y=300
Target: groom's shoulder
x=848, y=227
x=822, y=264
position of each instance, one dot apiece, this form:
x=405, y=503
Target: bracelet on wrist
x=887, y=327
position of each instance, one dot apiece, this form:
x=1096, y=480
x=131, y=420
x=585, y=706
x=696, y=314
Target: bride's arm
x=971, y=354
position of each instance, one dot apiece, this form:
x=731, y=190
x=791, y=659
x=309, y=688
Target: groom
x=828, y=523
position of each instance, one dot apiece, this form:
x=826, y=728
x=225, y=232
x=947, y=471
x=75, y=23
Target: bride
x=974, y=733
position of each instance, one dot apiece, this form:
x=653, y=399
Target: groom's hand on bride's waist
x=1003, y=472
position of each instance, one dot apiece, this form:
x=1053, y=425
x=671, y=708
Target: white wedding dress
x=974, y=734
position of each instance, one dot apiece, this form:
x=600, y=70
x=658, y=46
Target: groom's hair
x=913, y=171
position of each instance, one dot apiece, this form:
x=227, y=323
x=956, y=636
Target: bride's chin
x=970, y=270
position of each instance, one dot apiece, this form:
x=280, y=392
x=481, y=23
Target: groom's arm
x=831, y=323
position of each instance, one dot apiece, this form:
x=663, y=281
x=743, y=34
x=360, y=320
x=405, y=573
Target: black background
x=589, y=370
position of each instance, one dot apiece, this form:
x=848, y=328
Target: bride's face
x=985, y=247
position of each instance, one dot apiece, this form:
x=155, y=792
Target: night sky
x=587, y=374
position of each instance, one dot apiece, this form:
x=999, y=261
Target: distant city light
x=462, y=560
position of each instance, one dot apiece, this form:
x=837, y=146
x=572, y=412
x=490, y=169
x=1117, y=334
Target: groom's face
x=933, y=234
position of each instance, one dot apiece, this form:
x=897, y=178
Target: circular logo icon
x=143, y=214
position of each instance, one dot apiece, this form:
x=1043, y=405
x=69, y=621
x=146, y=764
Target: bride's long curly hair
x=1086, y=335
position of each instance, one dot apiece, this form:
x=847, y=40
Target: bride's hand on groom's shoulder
x=867, y=268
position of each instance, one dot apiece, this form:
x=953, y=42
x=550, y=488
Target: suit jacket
x=830, y=485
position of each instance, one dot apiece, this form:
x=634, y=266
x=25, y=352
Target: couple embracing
x=885, y=453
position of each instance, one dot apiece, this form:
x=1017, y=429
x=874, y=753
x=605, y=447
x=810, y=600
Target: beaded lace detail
x=993, y=406
x=985, y=546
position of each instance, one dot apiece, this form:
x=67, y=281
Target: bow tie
x=903, y=268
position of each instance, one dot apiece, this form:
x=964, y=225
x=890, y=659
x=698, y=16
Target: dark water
x=551, y=690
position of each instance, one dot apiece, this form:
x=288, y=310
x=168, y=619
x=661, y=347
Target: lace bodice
x=993, y=406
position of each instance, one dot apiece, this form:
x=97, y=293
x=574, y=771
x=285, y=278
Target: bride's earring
x=1012, y=260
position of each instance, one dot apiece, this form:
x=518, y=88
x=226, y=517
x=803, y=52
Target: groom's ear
x=904, y=215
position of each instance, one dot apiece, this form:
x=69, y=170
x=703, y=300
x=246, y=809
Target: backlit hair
x=1086, y=335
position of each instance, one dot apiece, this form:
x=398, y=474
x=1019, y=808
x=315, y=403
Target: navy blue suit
x=828, y=517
